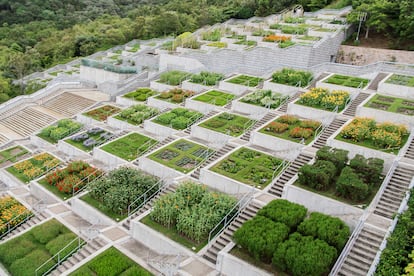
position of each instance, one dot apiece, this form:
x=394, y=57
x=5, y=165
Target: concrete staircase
x=410, y=150
x=205, y=117
x=88, y=249
x=277, y=188
x=374, y=83
x=227, y=148
x=360, y=257
x=283, y=107
x=148, y=205
x=27, y=121
x=225, y=237
x=269, y=116
x=321, y=76
x=3, y=139
x=394, y=192
x=351, y=110
x=328, y=131
x=38, y=218
x=68, y=104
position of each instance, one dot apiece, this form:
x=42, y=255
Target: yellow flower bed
x=323, y=98
x=12, y=212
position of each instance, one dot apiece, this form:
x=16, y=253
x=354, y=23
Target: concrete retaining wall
x=157, y=129
x=211, y=136
x=157, y=169
x=228, y=264
x=280, y=88
x=108, y=159
x=72, y=151
x=384, y=116
x=89, y=213
x=395, y=90
x=42, y=193
x=162, y=87
x=222, y=183
x=281, y=146
x=309, y=112
x=194, y=86
x=99, y=75
x=160, y=104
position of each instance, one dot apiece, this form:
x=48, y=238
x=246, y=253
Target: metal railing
x=145, y=197
x=84, y=182
x=248, y=125
x=230, y=216
x=151, y=145
x=11, y=224
x=59, y=257
x=282, y=166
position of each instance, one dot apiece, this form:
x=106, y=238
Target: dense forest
x=37, y=34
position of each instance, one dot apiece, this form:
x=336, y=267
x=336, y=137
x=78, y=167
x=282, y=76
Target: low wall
x=208, y=135
x=89, y=213
x=196, y=87
x=108, y=159
x=309, y=112
x=256, y=111
x=384, y=116
x=9, y=179
x=157, y=169
x=281, y=146
x=222, y=183
x=160, y=104
x=228, y=264
x=200, y=106
x=72, y=151
x=42, y=193
x=318, y=203
x=157, y=129
x=280, y=88
x=99, y=75
x=395, y=90
x=161, y=87
x=86, y=120
x=39, y=142
x=233, y=88
x=126, y=102
x=119, y=124
x=352, y=91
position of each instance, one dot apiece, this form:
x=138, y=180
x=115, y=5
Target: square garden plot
x=245, y=80
x=111, y=262
x=62, y=129
x=265, y=98
x=89, y=139
x=215, y=97
x=12, y=212
x=12, y=155
x=141, y=94
x=178, y=118
x=176, y=95
x=250, y=167
x=136, y=114
x=229, y=124
x=130, y=147
x=293, y=128
x=401, y=80
x=102, y=113
x=348, y=81
x=182, y=155
x=34, y=167
x=391, y=104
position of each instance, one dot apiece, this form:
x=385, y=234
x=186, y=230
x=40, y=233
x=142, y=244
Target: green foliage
x=207, y=78
x=61, y=241
x=292, y=77
x=281, y=210
x=62, y=129
x=141, y=94
x=215, y=97
x=129, y=147
x=261, y=236
x=246, y=80
x=136, y=114
x=329, y=229
x=178, y=118
x=46, y=232
x=298, y=256
x=338, y=157
x=27, y=264
x=318, y=176
x=347, y=81
x=369, y=169
x=349, y=185
x=174, y=77
x=227, y=123
x=265, y=98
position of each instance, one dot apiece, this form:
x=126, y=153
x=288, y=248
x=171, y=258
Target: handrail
x=60, y=258
x=248, y=125
x=282, y=165
x=28, y=213
x=205, y=158
x=225, y=221
x=146, y=197
x=81, y=182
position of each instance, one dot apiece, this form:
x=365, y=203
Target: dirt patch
x=379, y=106
x=385, y=99
x=405, y=111
x=408, y=103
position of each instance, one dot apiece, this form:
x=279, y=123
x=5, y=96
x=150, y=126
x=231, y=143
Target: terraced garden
x=141, y=94
x=102, y=113
x=89, y=139
x=229, y=124
x=215, y=97
x=62, y=129
x=391, y=104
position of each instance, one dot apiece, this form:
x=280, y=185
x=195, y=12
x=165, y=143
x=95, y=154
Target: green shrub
x=338, y=157
x=261, y=236
x=304, y=256
x=281, y=210
x=21, y=247
x=28, y=264
x=58, y=243
x=110, y=263
x=174, y=77
x=47, y=231
x=369, y=169
x=180, y=122
x=349, y=185
x=293, y=30
x=292, y=77
x=327, y=228
x=318, y=176
x=135, y=271
x=207, y=78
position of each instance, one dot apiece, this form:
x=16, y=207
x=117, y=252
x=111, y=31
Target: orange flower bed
x=277, y=38
x=12, y=212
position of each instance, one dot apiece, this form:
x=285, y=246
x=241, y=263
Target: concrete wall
x=256, y=112
x=119, y=124
x=233, y=88
x=9, y=179
x=200, y=106
x=99, y=75
x=281, y=146
x=39, y=142
x=72, y=151
x=395, y=90
x=160, y=104
x=42, y=193
x=309, y=112
x=157, y=169
x=195, y=86
x=228, y=264
x=157, y=129
x=162, y=87
x=352, y=91
x=279, y=88
x=209, y=135
x=187, y=64
x=125, y=101
x=108, y=159
x=384, y=116
x=222, y=183
x=89, y=213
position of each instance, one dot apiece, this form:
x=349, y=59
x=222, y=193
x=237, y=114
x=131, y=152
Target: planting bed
x=12, y=212
x=348, y=81
x=401, y=80
x=292, y=77
x=245, y=80
x=65, y=182
x=250, y=167
x=182, y=155
x=34, y=167
x=355, y=183
x=25, y=253
x=176, y=95
x=366, y=132
x=179, y=118
x=62, y=129
x=228, y=124
x=12, y=155
x=141, y=94
x=265, y=98
x=189, y=214
x=136, y=114
x=130, y=147
x=281, y=234
x=322, y=98
x=114, y=192
x=391, y=104
x=206, y=78
x=86, y=141
x=102, y=113
x=292, y=128
x=111, y=263
x=215, y=97
x=174, y=77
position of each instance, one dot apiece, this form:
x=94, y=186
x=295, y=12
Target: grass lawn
x=102, y=208
x=391, y=104
x=215, y=97
x=102, y=113
x=250, y=167
x=228, y=124
x=246, y=42
x=245, y=80
x=371, y=145
x=182, y=155
x=11, y=154
x=129, y=147
x=174, y=235
x=348, y=81
x=24, y=254
x=401, y=80
x=141, y=94
x=111, y=262
x=97, y=137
